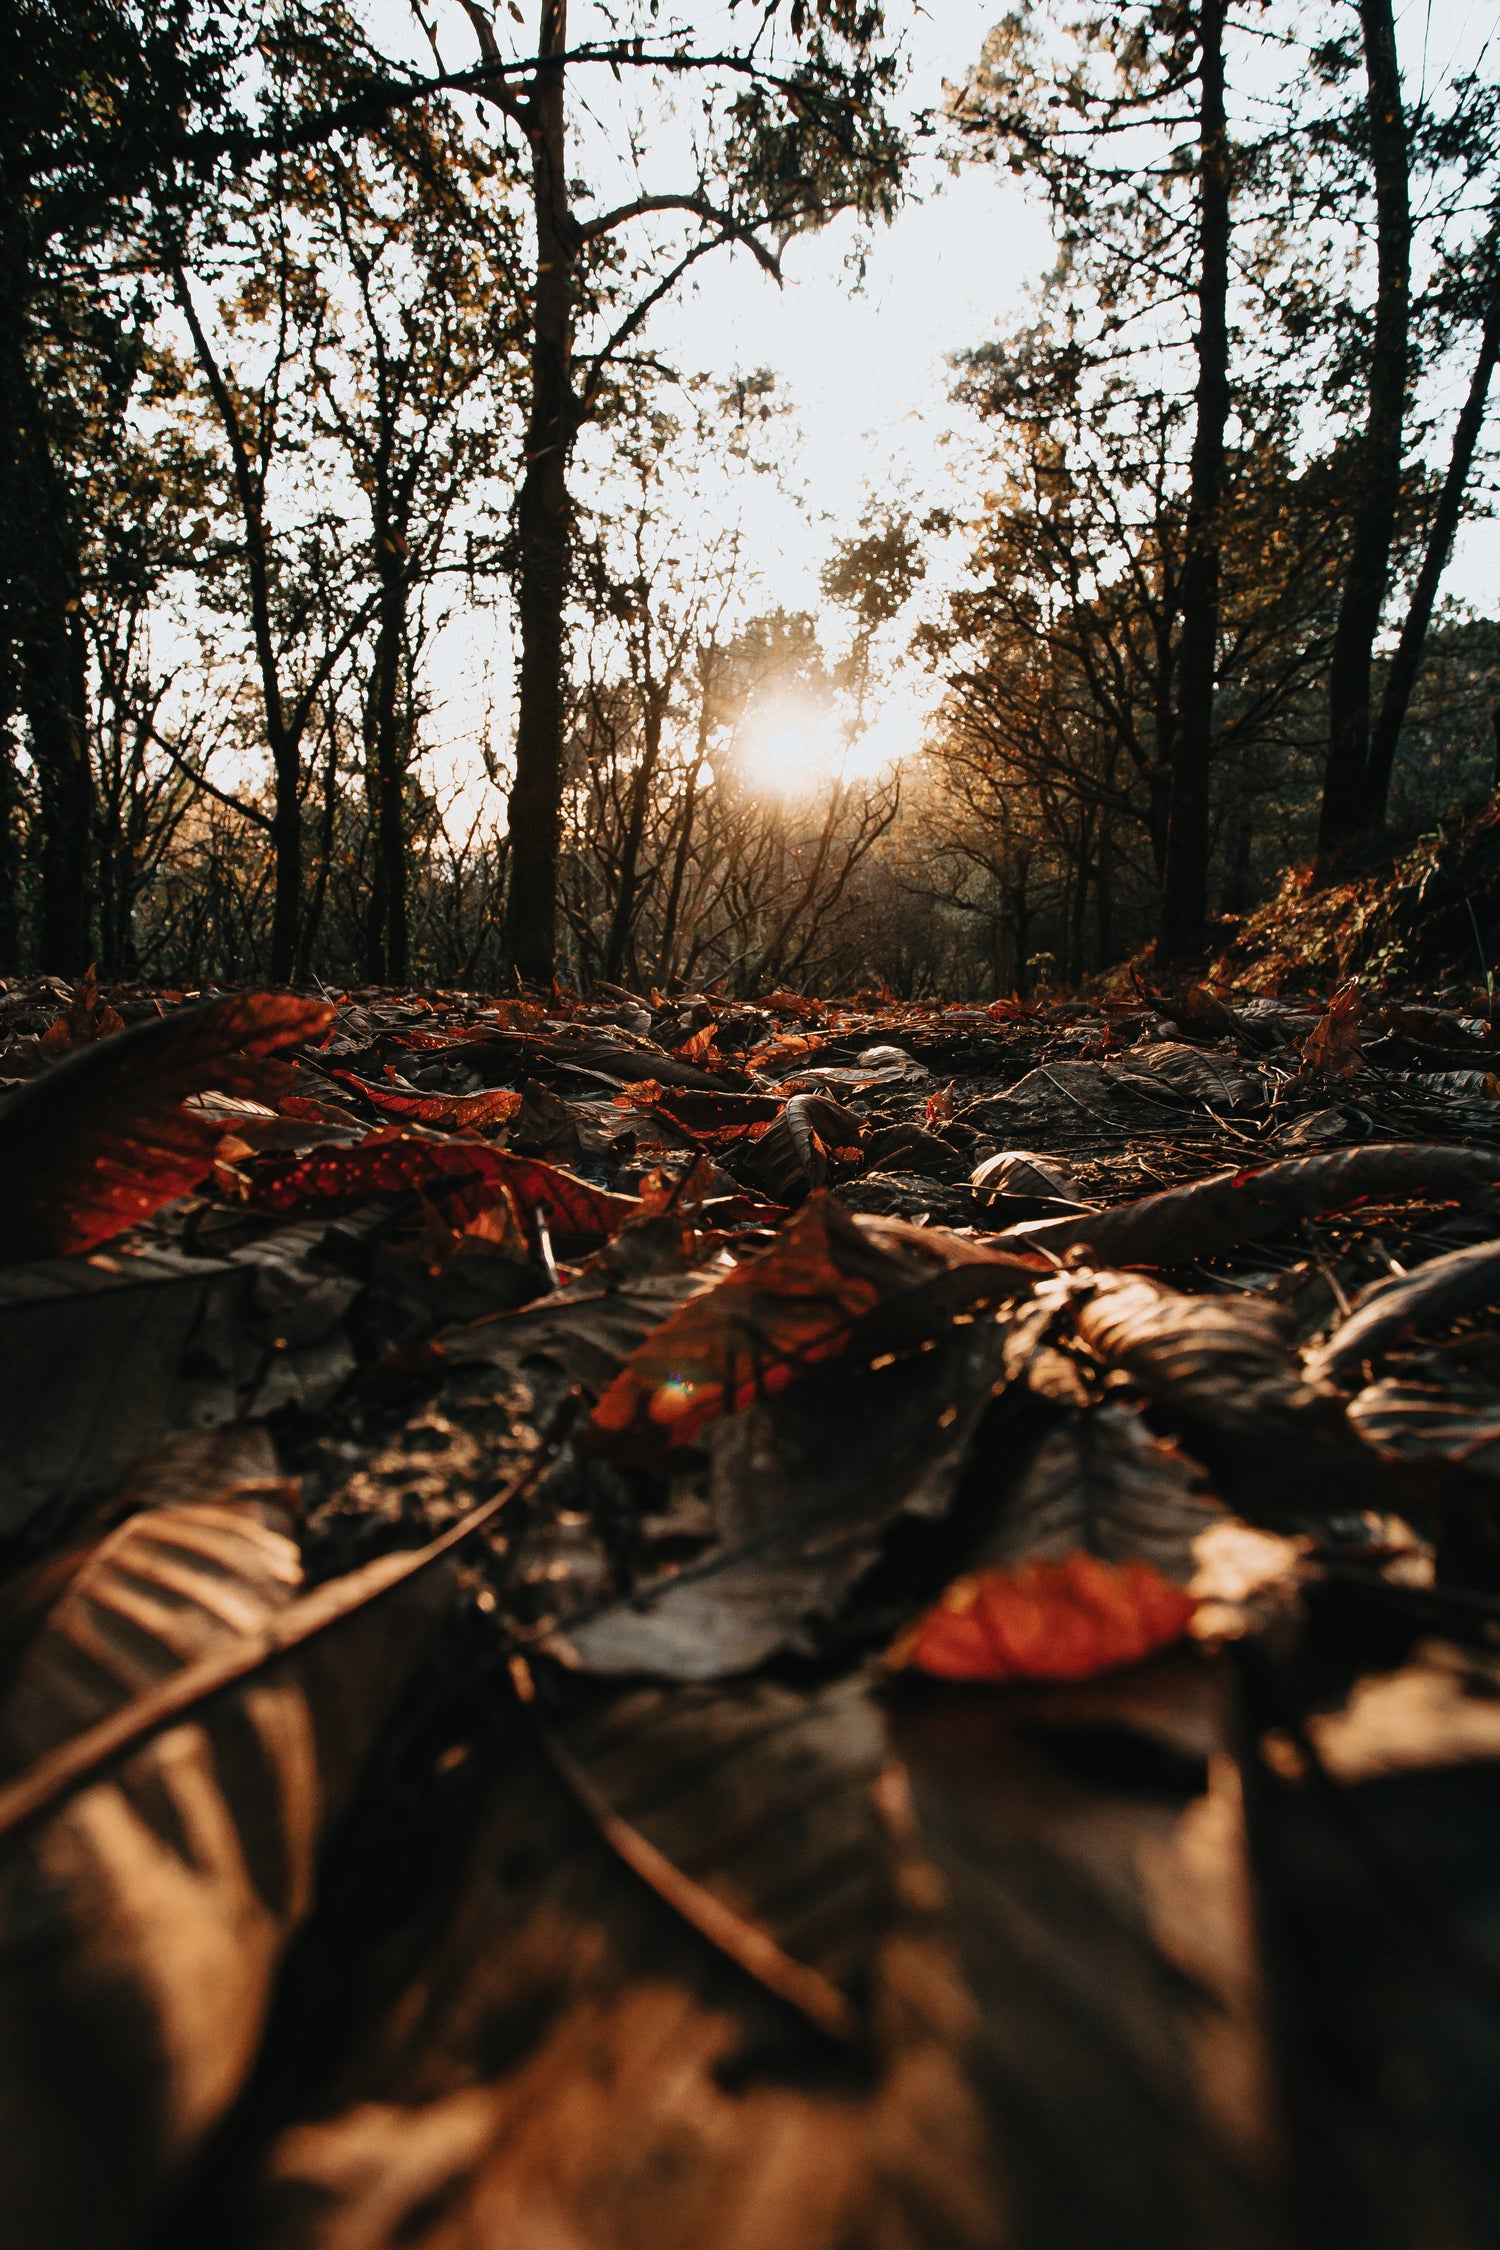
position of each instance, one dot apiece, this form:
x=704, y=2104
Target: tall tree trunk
x=1185, y=876
x=55, y=690
x=623, y=918
x=668, y=964
x=544, y=528
x=11, y=831
x=39, y=554
x=1406, y=662
x=283, y=741
x=387, y=946
x=1104, y=904
x=1378, y=465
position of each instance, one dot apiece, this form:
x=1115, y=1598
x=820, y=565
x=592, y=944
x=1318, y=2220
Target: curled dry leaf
x=102, y=1140
x=1460, y=1282
x=1335, y=1041
x=1214, y=1215
x=1068, y=1620
x=778, y=1315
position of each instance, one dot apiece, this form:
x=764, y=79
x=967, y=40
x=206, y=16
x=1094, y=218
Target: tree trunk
x=11, y=830
x=544, y=530
x=1104, y=905
x=623, y=917
x=284, y=742
x=55, y=690
x=387, y=940
x=1407, y=660
x=1378, y=465
x=40, y=557
x=1185, y=875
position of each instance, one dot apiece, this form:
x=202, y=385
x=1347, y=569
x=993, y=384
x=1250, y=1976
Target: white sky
x=864, y=366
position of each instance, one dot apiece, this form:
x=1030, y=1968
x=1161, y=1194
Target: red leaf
x=470, y=1113
x=396, y=1163
x=101, y=1141
x=775, y=1318
x=1064, y=1620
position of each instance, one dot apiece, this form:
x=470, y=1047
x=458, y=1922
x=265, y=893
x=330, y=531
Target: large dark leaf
x=103, y=1358
x=142, y=1925
x=1223, y=1373
x=1100, y=1484
x=99, y=1364
x=1089, y=1843
x=781, y=1314
x=573, y=2060
x=803, y=1492
x=1374, y=1817
x=792, y=1156
x=1212, y=1216
x=1435, y=1294
x=102, y=1140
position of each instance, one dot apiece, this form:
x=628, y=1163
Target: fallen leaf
x=142, y=1925
x=466, y=1113
x=1067, y=1620
x=791, y=1157
x=1335, y=1041
x=1214, y=1215
x=778, y=1315
x=804, y=1493
x=102, y=1140
x=397, y=1163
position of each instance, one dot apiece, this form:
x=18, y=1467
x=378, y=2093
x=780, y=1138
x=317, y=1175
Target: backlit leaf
x=102, y=1140
x=395, y=1163
x=780, y=1314
x=1065, y=1620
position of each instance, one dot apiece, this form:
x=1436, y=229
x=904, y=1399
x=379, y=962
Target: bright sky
x=864, y=366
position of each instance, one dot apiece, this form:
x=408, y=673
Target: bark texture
x=1379, y=463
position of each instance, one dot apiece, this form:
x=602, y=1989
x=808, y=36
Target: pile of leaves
x=1432, y=912
x=701, y=1624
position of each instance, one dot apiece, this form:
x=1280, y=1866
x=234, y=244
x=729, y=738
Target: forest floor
x=704, y=1625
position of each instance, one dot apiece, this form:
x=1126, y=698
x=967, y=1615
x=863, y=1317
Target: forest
x=330, y=370
x=749, y=1125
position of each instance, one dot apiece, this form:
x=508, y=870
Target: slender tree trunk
x=1104, y=905
x=1406, y=662
x=43, y=594
x=11, y=830
x=1185, y=875
x=387, y=939
x=1380, y=453
x=684, y=843
x=623, y=918
x=55, y=691
x=545, y=529
x=283, y=741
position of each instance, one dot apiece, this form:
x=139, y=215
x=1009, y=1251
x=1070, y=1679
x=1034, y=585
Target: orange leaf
x=470, y=1113
x=1334, y=1042
x=102, y=1140
x=775, y=1318
x=1064, y=1620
